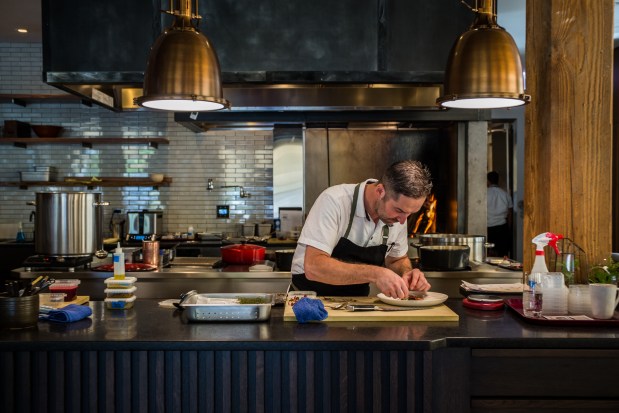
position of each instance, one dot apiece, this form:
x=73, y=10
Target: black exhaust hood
x=319, y=56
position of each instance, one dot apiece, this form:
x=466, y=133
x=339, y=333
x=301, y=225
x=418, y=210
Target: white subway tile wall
x=243, y=158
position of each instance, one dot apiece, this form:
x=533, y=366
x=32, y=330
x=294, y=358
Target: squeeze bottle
x=20, y=237
x=119, y=263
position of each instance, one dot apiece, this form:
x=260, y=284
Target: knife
x=372, y=307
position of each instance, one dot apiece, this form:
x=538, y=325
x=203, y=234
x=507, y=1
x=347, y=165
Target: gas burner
x=56, y=263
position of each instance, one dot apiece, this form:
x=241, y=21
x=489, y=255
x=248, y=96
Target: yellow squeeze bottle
x=119, y=263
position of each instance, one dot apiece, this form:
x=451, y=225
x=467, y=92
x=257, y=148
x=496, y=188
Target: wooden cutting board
x=436, y=313
x=80, y=299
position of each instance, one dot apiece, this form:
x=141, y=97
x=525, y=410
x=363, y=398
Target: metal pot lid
x=445, y=247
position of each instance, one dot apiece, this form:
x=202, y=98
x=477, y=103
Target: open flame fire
x=426, y=221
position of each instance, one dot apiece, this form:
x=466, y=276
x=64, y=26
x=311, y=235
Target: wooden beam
x=568, y=125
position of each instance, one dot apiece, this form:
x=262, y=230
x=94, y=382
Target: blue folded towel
x=68, y=314
x=309, y=309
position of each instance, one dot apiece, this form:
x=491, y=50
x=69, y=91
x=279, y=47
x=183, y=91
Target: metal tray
x=198, y=307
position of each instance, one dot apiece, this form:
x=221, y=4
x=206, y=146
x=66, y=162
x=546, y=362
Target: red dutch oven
x=242, y=253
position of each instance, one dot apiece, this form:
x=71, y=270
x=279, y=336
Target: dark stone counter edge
x=269, y=345
x=508, y=332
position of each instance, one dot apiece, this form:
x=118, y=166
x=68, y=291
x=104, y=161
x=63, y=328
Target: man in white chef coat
x=500, y=216
x=356, y=234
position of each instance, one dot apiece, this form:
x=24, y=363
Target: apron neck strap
x=353, y=208
x=385, y=234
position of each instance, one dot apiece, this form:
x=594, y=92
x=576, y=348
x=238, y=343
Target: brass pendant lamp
x=183, y=72
x=484, y=70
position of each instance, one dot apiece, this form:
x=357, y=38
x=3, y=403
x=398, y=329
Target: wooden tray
x=516, y=305
x=80, y=299
x=437, y=313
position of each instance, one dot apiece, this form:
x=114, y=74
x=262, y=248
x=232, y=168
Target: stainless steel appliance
x=68, y=224
x=477, y=243
x=144, y=225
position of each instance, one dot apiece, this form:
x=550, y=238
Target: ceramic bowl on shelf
x=47, y=131
x=156, y=177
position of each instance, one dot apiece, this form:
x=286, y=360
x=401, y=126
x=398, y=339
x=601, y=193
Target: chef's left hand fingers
x=417, y=280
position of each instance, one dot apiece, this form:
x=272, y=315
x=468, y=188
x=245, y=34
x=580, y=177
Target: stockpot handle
x=101, y=203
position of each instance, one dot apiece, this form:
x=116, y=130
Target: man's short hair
x=409, y=178
x=493, y=177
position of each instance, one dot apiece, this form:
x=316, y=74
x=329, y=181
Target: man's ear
x=380, y=188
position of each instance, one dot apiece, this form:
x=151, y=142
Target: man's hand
x=391, y=284
x=416, y=280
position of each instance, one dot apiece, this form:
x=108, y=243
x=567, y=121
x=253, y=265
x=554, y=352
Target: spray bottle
x=119, y=263
x=532, y=292
x=540, y=241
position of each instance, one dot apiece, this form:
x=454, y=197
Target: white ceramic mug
x=604, y=299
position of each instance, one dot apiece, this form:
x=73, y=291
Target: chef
x=356, y=234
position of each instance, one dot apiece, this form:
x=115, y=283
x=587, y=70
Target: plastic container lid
x=120, y=303
x=66, y=282
x=120, y=290
x=126, y=283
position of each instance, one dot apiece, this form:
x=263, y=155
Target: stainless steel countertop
x=203, y=268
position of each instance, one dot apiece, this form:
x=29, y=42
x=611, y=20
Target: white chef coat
x=327, y=222
x=499, y=203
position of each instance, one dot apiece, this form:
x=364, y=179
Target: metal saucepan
x=444, y=257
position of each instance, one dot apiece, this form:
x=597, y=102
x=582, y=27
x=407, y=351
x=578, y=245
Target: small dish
x=47, y=131
x=155, y=177
x=431, y=299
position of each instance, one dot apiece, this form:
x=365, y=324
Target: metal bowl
x=19, y=312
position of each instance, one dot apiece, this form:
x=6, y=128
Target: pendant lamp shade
x=484, y=70
x=183, y=72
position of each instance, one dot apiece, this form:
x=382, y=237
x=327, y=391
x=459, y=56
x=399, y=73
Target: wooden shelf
x=153, y=142
x=84, y=182
x=25, y=99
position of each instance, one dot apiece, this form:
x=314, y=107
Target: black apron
x=347, y=251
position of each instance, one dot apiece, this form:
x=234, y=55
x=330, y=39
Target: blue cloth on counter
x=309, y=309
x=68, y=314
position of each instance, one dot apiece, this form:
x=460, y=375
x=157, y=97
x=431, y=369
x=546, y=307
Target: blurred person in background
x=500, y=217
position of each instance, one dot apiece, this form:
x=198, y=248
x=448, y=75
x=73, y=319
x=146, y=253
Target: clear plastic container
x=120, y=292
x=120, y=303
x=114, y=283
x=68, y=287
x=51, y=298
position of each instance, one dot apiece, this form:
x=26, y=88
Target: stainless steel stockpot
x=68, y=223
x=477, y=243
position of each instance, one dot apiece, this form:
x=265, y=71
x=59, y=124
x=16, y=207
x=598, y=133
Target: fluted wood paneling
x=568, y=135
x=210, y=381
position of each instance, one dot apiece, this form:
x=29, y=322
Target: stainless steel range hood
x=274, y=91
x=314, y=57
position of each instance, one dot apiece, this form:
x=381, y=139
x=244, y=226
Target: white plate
x=428, y=301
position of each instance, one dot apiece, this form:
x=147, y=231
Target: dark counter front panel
x=148, y=359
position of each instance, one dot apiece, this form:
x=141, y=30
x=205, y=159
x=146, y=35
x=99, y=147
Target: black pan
x=444, y=257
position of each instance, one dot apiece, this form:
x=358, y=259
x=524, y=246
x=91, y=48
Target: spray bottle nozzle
x=553, y=241
x=547, y=238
